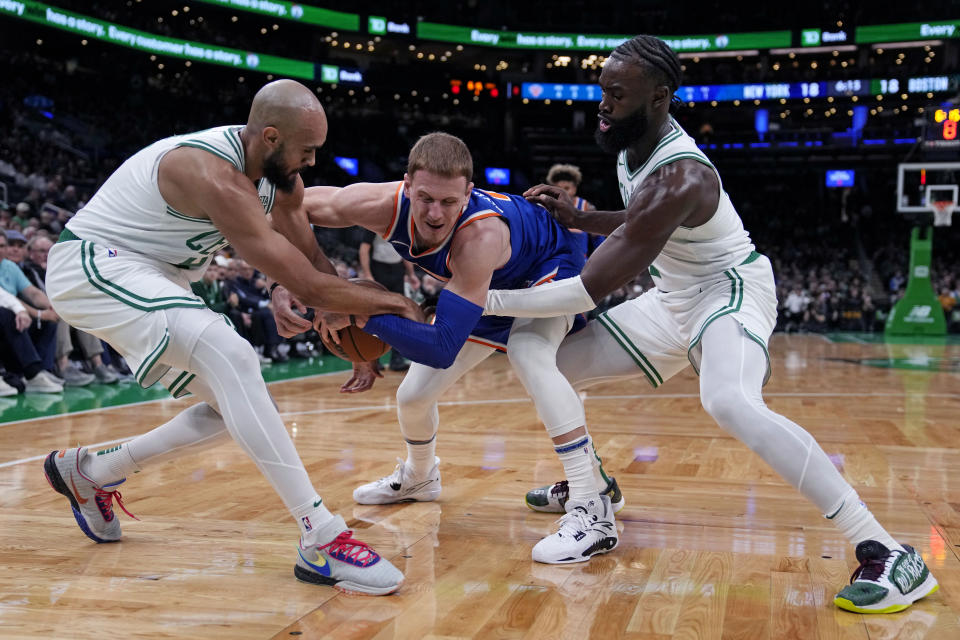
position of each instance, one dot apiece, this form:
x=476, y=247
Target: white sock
x=109, y=465
x=195, y=428
x=577, y=458
x=312, y=516
x=421, y=455
x=599, y=475
x=857, y=523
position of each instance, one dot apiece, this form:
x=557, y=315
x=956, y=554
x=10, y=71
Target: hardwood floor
x=713, y=543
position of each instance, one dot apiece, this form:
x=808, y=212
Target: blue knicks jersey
x=541, y=250
x=587, y=242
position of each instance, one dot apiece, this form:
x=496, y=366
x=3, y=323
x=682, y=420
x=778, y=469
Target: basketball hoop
x=943, y=212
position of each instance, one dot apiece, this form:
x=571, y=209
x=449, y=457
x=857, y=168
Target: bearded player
x=713, y=307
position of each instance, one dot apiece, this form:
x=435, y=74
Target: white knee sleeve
x=422, y=388
x=532, y=349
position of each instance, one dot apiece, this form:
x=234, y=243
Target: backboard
x=920, y=184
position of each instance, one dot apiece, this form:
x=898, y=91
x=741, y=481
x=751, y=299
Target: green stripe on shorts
x=632, y=350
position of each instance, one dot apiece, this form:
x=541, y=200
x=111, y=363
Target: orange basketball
x=356, y=345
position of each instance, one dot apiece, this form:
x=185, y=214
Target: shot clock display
x=942, y=126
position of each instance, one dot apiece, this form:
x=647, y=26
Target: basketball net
x=943, y=213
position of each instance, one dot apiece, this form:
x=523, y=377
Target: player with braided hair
x=714, y=306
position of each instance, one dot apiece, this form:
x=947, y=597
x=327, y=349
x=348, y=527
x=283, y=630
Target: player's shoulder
x=479, y=233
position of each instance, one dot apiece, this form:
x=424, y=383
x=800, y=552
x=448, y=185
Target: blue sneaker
x=92, y=505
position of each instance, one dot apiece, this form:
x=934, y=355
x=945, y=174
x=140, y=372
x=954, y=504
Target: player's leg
x=589, y=527
x=191, y=431
x=633, y=340
x=228, y=366
x=418, y=477
x=732, y=370
x=327, y=553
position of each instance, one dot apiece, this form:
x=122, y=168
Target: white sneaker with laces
x=351, y=566
x=588, y=528
x=401, y=486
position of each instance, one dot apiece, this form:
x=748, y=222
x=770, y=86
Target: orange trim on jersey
x=495, y=195
x=396, y=214
x=441, y=278
x=488, y=344
x=434, y=249
x=478, y=216
x=547, y=278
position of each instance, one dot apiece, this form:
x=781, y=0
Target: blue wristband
x=435, y=345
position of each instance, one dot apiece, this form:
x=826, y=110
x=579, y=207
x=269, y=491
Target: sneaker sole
x=848, y=605
x=617, y=506
x=399, y=500
x=581, y=559
x=352, y=588
x=55, y=480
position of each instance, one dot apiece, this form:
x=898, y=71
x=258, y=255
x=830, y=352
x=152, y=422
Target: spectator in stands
x=16, y=247
x=210, y=288
x=795, y=310
x=247, y=293
x=850, y=311
x=5, y=215
x=897, y=281
x=22, y=215
x=35, y=268
x=21, y=325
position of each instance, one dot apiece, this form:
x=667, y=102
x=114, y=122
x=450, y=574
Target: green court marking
x=932, y=364
x=880, y=338
x=31, y=406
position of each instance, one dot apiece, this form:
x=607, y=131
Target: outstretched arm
x=477, y=251
x=201, y=183
x=682, y=193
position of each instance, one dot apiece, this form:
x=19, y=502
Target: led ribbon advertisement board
x=151, y=43
x=295, y=12
x=908, y=31
x=594, y=41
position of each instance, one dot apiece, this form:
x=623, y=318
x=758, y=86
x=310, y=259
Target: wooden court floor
x=713, y=544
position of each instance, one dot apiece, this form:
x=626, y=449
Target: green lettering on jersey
x=205, y=244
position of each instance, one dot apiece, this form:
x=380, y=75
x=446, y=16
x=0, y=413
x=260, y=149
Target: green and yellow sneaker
x=553, y=498
x=886, y=581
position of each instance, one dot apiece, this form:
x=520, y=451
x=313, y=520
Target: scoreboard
x=761, y=91
x=942, y=124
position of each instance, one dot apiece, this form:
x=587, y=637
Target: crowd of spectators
x=838, y=265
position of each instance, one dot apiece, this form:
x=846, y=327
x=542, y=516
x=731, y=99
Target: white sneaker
x=588, y=528
x=344, y=563
x=43, y=382
x=7, y=390
x=401, y=486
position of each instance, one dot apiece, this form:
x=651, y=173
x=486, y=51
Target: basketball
x=356, y=345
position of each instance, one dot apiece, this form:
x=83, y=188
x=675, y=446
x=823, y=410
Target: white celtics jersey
x=129, y=213
x=694, y=255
